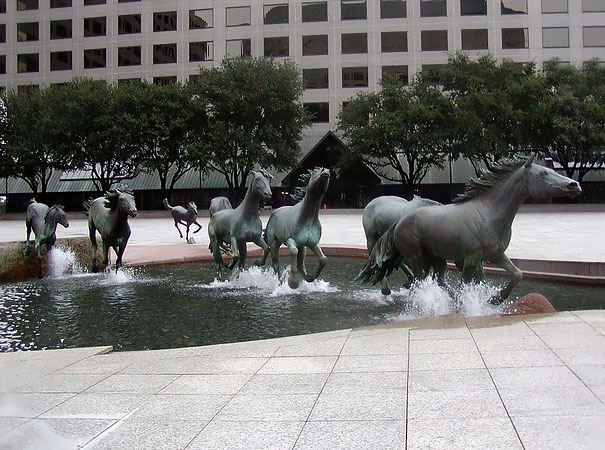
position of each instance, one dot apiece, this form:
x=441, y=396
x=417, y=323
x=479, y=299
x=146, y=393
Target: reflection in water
x=184, y=305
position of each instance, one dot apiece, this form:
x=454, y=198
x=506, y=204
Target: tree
x=496, y=106
x=102, y=127
x=29, y=151
x=400, y=131
x=169, y=120
x=255, y=117
x=574, y=130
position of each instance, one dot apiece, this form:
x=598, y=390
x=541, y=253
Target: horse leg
x=323, y=259
x=176, y=224
x=106, y=248
x=266, y=250
x=187, y=234
x=92, y=234
x=506, y=264
x=274, y=249
x=243, y=251
x=199, y=227
x=120, y=253
x=295, y=278
x=235, y=250
x=439, y=268
x=28, y=231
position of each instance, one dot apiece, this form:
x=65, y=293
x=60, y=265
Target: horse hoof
x=385, y=291
x=294, y=282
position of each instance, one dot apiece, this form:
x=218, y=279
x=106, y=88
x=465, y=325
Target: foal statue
x=474, y=229
x=109, y=215
x=298, y=227
x=185, y=217
x=236, y=227
x=43, y=221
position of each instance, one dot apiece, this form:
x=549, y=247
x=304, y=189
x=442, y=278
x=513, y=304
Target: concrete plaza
x=530, y=382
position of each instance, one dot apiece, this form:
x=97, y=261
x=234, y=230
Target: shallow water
x=185, y=305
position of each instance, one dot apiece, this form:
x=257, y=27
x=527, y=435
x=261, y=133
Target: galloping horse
x=238, y=226
x=218, y=204
x=298, y=227
x=109, y=214
x=475, y=228
x=185, y=217
x=43, y=221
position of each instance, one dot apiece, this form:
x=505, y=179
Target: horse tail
x=87, y=204
x=382, y=260
x=166, y=205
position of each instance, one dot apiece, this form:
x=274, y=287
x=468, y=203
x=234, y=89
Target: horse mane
x=489, y=178
x=54, y=207
x=304, y=178
x=112, y=196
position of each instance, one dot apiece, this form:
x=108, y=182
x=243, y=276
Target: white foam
x=267, y=281
x=120, y=276
x=62, y=262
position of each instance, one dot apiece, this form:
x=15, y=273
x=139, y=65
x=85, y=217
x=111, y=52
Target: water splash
x=62, y=261
x=267, y=281
x=123, y=275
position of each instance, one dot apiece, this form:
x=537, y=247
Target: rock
x=533, y=303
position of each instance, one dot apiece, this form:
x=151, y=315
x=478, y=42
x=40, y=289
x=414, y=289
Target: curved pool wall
x=185, y=305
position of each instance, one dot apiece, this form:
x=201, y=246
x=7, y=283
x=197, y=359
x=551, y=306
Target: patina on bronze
x=43, y=221
x=185, y=217
x=298, y=227
x=109, y=215
x=474, y=229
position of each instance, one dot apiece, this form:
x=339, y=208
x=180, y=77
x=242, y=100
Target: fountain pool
x=184, y=305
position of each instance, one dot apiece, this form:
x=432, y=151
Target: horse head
x=56, y=214
x=122, y=201
x=543, y=182
x=192, y=208
x=261, y=185
x=319, y=180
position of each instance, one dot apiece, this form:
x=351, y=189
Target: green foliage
x=574, y=127
x=254, y=116
x=401, y=132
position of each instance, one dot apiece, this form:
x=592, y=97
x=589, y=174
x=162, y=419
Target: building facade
x=341, y=46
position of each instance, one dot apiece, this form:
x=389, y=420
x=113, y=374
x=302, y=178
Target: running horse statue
x=109, y=215
x=43, y=221
x=236, y=227
x=298, y=227
x=474, y=229
x=218, y=204
x=185, y=217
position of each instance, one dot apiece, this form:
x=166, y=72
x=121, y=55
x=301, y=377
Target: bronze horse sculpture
x=298, y=227
x=43, y=221
x=185, y=217
x=217, y=204
x=474, y=229
x=236, y=227
x=109, y=215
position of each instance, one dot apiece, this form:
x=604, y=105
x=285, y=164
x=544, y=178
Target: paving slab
x=287, y=383
x=562, y=432
x=362, y=406
x=207, y=384
x=97, y=406
x=360, y=434
x=165, y=407
x=455, y=404
x=450, y=380
x=371, y=363
x=268, y=408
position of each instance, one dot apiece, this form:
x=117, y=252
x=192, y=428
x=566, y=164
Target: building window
x=27, y=31
x=60, y=3
x=95, y=26
x=400, y=72
x=277, y=47
x=318, y=112
x=26, y=5
x=201, y=51
x=60, y=61
x=354, y=43
x=28, y=62
x=163, y=81
x=515, y=38
x=315, y=12
x=238, y=17
x=128, y=80
x=474, y=40
x=2, y=65
x=238, y=48
x=164, y=21
x=316, y=78
x=594, y=36
x=164, y=53
x=354, y=77
x=93, y=2
x=129, y=24
x=128, y=1
x=555, y=37
x=275, y=14
x=129, y=56
x=2, y=32
x=2, y=6
x=433, y=40
x=95, y=58
x=432, y=72
x=393, y=9
x=593, y=6
x=315, y=45
x=513, y=7
x=473, y=7
x=60, y=29
x=353, y=10
x=393, y=41
x=554, y=6
x=201, y=18
x=433, y=8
